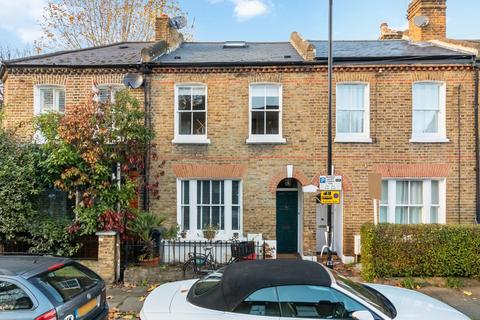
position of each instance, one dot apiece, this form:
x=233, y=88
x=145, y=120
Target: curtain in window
x=435, y=202
x=350, y=108
x=384, y=203
x=426, y=107
x=409, y=202
x=265, y=109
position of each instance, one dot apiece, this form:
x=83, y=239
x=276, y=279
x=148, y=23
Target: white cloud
x=247, y=9
x=22, y=18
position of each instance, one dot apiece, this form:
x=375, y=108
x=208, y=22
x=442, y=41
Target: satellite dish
x=421, y=21
x=178, y=22
x=153, y=51
x=133, y=80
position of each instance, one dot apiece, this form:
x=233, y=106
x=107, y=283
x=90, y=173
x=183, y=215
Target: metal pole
x=329, y=155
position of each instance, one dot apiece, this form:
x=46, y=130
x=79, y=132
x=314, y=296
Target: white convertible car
x=276, y=289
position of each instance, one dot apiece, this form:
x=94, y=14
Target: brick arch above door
x=282, y=174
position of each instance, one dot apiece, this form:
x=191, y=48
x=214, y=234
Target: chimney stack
x=303, y=47
x=164, y=31
x=386, y=33
x=434, y=25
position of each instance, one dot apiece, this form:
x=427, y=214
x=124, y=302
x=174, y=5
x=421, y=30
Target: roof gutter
x=317, y=61
x=464, y=59
x=93, y=66
x=399, y=58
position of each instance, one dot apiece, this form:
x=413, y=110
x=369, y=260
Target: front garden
x=92, y=156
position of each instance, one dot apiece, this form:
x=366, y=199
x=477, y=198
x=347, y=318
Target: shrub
x=19, y=186
x=50, y=236
x=393, y=250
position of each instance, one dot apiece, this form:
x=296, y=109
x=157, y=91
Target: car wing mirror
x=362, y=315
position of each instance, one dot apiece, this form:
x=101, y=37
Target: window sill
x=266, y=140
x=429, y=140
x=353, y=140
x=189, y=140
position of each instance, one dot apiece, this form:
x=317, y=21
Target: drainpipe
x=459, y=151
x=147, y=70
x=477, y=145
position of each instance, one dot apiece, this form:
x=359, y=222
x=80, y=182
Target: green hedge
x=433, y=250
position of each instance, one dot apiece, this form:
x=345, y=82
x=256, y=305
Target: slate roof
x=117, y=54
x=213, y=53
x=380, y=49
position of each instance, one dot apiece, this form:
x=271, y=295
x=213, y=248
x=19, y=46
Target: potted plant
x=183, y=234
x=171, y=233
x=142, y=227
x=209, y=232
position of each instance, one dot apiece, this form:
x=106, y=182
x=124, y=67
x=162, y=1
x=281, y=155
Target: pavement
x=466, y=299
x=126, y=302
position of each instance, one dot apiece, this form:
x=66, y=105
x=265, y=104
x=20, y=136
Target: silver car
x=50, y=288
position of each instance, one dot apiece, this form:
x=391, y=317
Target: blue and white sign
x=328, y=183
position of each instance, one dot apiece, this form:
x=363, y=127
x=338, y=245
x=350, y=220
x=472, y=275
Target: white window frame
x=441, y=135
x=426, y=198
x=38, y=101
x=266, y=138
x=363, y=137
x=113, y=87
x=196, y=234
x=192, y=138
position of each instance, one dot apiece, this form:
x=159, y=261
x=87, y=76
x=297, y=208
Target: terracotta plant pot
x=152, y=262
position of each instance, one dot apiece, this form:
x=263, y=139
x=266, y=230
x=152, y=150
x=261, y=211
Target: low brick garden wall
x=138, y=275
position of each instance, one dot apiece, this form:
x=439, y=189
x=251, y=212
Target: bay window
x=265, y=114
x=203, y=203
x=428, y=124
x=191, y=114
x=353, y=113
x=413, y=201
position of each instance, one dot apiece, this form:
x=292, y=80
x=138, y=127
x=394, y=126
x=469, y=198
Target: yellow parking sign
x=330, y=197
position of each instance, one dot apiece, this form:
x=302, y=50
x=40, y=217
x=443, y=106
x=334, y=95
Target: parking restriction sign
x=329, y=197
x=330, y=183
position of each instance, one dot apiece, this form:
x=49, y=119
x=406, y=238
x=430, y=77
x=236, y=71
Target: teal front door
x=287, y=221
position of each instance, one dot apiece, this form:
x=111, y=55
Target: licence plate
x=86, y=308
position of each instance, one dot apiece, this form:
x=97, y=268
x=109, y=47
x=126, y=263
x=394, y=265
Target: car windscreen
x=68, y=281
x=368, y=294
x=207, y=283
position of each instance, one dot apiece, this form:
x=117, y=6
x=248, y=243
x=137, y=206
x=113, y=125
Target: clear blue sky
x=265, y=20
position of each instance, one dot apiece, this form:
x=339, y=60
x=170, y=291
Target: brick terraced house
x=241, y=127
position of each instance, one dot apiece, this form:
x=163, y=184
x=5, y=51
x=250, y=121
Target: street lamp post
x=329, y=153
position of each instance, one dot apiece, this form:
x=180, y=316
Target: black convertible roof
x=242, y=279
